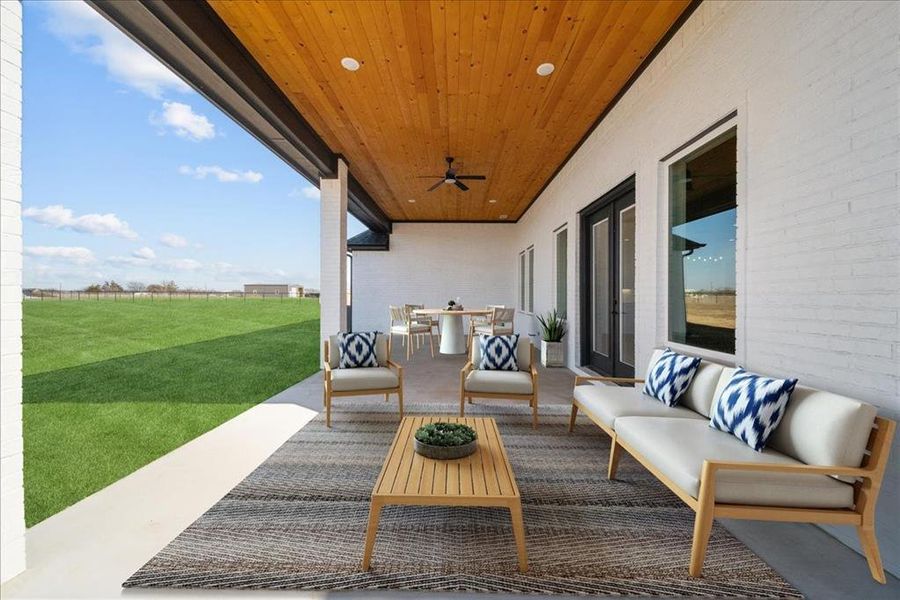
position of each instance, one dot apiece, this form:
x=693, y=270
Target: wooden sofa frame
x=862, y=515
x=531, y=398
x=329, y=393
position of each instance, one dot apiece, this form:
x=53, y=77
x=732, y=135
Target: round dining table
x=453, y=340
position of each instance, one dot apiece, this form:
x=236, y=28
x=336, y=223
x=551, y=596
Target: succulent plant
x=445, y=434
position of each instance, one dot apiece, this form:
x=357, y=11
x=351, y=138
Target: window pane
x=531, y=280
x=626, y=286
x=522, y=281
x=703, y=212
x=561, y=269
x=600, y=294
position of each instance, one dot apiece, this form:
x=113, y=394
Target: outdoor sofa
x=824, y=463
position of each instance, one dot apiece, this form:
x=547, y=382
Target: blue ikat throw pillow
x=498, y=352
x=357, y=349
x=751, y=406
x=670, y=377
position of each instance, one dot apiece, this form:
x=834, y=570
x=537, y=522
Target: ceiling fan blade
x=479, y=177
x=437, y=185
x=461, y=185
x=430, y=177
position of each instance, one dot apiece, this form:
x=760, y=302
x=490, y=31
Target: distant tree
x=165, y=286
x=94, y=288
x=111, y=286
x=135, y=286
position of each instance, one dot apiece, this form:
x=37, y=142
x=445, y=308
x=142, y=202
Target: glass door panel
x=600, y=311
x=626, y=286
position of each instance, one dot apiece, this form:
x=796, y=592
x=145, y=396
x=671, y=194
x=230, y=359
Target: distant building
x=274, y=289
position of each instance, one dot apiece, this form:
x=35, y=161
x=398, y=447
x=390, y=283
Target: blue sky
x=131, y=175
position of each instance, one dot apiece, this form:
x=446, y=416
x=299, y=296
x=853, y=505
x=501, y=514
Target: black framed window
x=702, y=234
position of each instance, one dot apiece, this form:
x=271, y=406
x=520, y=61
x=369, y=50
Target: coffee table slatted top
x=485, y=476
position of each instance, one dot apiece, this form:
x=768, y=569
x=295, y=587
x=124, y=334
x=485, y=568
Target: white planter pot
x=553, y=354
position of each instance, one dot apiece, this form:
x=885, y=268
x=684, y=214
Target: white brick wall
x=431, y=263
x=12, y=502
x=333, y=228
x=816, y=86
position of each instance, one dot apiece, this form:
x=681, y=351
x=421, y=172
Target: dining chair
x=430, y=321
x=481, y=319
x=402, y=324
x=499, y=322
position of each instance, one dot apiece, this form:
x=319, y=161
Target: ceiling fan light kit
x=451, y=177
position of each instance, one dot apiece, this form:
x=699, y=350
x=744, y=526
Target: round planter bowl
x=445, y=452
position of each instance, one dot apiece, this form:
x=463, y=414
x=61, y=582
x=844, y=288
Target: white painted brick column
x=333, y=253
x=12, y=495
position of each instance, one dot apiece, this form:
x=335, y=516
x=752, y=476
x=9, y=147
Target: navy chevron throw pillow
x=670, y=377
x=357, y=349
x=499, y=352
x=751, y=406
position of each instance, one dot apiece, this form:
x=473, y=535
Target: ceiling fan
x=450, y=177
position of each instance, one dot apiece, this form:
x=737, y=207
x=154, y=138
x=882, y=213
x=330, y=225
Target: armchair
x=386, y=378
x=509, y=385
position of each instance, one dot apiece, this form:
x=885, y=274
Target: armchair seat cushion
x=607, y=403
x=373, y=378
x=677, y=448
x=499, y=382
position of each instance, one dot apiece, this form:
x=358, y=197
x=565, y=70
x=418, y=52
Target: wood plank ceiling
x=451, y=78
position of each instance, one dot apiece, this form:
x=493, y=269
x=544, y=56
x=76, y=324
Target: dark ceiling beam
x=191, y=39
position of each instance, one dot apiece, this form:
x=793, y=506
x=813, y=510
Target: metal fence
x=75, y=295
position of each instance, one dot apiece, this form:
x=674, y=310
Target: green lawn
x=110, y=386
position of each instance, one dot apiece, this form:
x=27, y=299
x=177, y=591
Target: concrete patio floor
x=89, y=549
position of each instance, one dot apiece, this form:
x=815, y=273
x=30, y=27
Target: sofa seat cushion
x=607, y=403
x=677, y=448
x=499, y=382
x=373, y=378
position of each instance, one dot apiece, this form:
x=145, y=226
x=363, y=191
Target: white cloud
x=89, y=33
x=58, y=216
x=223, y=175
x=75, y=254
x=309, y=192
x=182, y=119
x=184, y=264
x=144, y=253
x=127, y=260
x=173, y=241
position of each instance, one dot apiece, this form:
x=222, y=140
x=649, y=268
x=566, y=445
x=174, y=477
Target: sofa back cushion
x=702, y=391
x=699, y=395
x=334, y=351
x=523, y=353
x=822, y=428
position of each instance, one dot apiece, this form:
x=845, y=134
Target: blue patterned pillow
x=751, y=406
x=498, y=352
x=357, y=349
x=670, y=377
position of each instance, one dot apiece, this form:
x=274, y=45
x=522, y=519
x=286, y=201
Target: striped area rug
x=298, y=522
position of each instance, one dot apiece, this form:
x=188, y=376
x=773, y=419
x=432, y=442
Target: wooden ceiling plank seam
x=439, y=52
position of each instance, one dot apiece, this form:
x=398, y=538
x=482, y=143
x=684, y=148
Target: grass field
x=111, y=386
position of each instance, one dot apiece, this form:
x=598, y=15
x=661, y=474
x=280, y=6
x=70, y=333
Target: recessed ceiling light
x=545, y=69
x=351, y=64
x=412, y=200
x=502, y=217
x=492, y=201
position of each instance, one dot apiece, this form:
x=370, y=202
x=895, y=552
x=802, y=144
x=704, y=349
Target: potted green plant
x=445, y=441
x=553, y=330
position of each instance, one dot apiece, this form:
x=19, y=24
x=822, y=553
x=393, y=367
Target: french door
x=608, y=233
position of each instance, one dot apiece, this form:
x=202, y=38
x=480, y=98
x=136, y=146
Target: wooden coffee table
x=483, y=479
